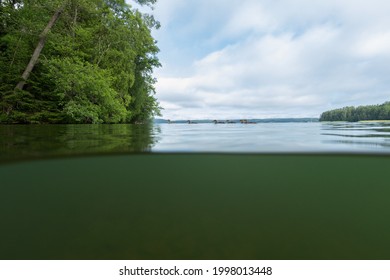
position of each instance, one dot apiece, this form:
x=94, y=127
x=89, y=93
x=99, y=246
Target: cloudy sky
x=271, y=58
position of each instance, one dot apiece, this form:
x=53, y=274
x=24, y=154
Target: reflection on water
x=276, y=138
x=36, y=141
x=364, y=134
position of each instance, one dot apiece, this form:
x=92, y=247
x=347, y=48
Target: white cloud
x=374, y=45
x=272, y=58
x=250, y=17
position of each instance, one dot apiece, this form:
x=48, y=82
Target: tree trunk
x=38, y=49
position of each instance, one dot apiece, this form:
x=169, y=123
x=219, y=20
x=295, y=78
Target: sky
x=225, y=59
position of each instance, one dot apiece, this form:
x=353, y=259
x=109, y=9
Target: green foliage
x=85, y=91
x=96, y=66
x=361, y=113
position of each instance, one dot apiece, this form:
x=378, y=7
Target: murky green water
x=187, y=206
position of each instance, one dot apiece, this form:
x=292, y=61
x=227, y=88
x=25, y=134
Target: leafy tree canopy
x=361, y=113
x=95, y=66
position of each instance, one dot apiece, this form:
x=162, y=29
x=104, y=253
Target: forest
x=361, y=113
x=77, y=61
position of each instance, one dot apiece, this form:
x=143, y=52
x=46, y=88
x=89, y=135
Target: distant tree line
x=76, y=61
x=361, y=113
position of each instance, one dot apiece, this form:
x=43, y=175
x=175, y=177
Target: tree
x=38, y=49
x=352, y=114
x=93, y=62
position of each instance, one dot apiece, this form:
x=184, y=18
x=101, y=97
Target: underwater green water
x=196, y=206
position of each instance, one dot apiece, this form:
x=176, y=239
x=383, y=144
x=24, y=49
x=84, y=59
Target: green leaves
x=361, y=113
x=85, y=91
x=96, y=66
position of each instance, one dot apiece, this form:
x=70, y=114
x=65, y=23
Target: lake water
x=24, y=142
x=271, y=191
x=274, y=137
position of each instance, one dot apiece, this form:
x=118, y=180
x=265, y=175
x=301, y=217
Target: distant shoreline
x=379, y=112
x=365, y=121
x=228, y=121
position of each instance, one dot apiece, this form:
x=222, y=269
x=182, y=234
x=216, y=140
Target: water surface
x=275, y=137
x=34, y=141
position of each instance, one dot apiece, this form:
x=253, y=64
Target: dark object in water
x=247, y=122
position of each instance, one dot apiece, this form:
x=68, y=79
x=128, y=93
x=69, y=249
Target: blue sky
x=271, y=58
